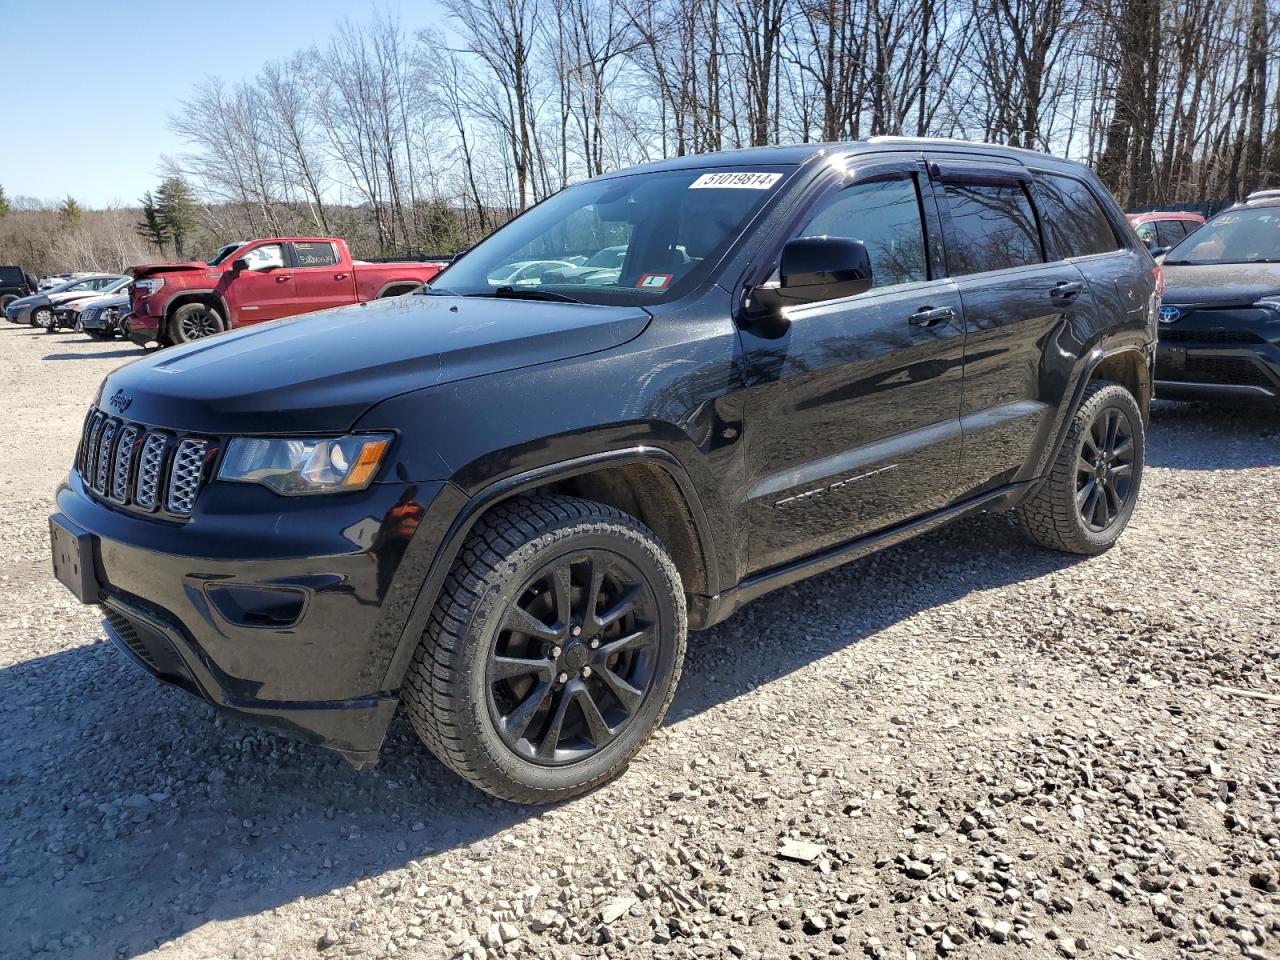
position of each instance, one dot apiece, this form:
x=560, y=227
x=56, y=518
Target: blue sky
x=86, y=88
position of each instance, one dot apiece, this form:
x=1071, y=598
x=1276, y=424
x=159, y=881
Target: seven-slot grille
x=147, y=470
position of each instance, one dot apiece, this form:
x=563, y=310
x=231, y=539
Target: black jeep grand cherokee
x=505, y=500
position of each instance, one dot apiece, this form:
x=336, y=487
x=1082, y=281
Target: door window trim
x=983, y=173
x=858, y=170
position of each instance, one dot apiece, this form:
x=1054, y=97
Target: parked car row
x=59, y=306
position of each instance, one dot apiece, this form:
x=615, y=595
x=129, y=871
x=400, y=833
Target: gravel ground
x=959, y=747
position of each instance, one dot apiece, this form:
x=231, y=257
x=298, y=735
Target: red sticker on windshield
x=654, y=281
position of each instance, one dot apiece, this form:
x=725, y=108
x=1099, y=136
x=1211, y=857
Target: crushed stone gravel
x=960, y=747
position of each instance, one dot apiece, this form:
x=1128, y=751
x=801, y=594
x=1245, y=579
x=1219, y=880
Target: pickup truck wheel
x=1086, y=501
x=553, y=650
x=194, y=321
x=41, y=317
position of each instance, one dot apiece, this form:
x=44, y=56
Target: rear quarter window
x=1074, y=223
x=11, y=277
x=994, y=228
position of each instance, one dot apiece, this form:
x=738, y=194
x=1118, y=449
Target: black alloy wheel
x=574, y=657
x=553, y=649
x=1104, y=469
x=198, y=323
x=1088, y=496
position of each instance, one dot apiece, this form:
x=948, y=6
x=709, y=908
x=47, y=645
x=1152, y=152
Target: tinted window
x=995, y=228
x=315, y=254
x=11, y=275
x=885, y=216
x=1073, y=221
x=1147, y=233
x=1170, y=232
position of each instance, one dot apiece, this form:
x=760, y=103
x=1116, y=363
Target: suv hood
x=322, y=371
x=1220, y=285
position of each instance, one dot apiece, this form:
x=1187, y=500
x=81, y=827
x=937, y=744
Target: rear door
x=1015, y=302
x=852, y=416
x=264, y=291
x=320, y=278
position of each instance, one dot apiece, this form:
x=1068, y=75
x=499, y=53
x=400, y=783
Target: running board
x=766, y=581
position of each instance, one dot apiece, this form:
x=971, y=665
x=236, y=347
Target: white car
x=526, y=273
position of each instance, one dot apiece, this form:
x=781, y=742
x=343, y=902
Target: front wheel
x=41, y=317
x=1086, y=501
x=194, y=321
x=553, y=650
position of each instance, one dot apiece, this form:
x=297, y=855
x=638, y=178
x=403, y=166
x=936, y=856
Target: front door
x=853, y=415
x=263, y=290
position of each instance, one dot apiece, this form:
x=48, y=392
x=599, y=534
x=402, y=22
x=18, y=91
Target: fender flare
x=1092, y=361
x=169, y=307
x=476, y=505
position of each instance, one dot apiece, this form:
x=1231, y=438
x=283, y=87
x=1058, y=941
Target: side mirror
x=812, y=269
x=1159, y=251
x=239, y=263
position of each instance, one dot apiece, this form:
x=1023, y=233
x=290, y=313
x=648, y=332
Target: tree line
x=413, y=138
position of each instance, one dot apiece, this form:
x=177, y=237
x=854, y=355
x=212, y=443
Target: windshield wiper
x=524, y=293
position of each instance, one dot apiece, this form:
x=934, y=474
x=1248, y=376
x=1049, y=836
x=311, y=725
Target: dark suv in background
x=14, y=284
x=504, y=505
x=1220, y=323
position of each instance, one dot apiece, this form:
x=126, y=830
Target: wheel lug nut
x=555, y=651
x=563, y=678
x=595, y=643
x=586, y=671
x=577, y=631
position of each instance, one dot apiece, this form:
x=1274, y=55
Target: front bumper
x=141, y=328
x=294, y=629
x=1224, y=353
x=18, y=314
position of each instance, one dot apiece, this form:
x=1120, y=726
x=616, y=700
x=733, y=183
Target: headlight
x=149, y=286
x=306, y=465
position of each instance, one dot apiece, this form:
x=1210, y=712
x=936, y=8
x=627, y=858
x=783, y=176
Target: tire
x=194, y=321
x=466, y=701
x=42, y=317
x=5, y=300
x=1086, y=501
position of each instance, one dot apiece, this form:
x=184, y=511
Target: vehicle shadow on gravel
x=1197, y=436
x=104, y=355
x=130, y=813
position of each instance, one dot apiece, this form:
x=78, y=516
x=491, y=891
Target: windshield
x=224, y=252
x=642, y=238
x=1237, y=236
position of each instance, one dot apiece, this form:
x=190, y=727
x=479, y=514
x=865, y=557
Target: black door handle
x=1066, y=289
x=930, y=316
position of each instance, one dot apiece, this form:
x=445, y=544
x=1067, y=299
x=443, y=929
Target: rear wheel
x=7, y=299
x=194, y=321
x=1085, y=503
x=553, y=650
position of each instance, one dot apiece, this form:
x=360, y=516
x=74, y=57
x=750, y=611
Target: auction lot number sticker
x=735, y=181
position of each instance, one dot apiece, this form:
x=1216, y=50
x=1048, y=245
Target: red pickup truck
x=258, y=280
